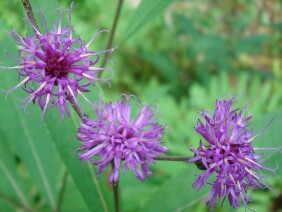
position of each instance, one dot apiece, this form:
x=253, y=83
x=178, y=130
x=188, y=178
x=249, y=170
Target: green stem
x=110, y=43
x=116, y=193
x=114, y=26
x=172, y=158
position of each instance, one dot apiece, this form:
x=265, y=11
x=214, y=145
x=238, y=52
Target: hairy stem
x=77, y=108
x=173, y=158
x=62, y=190
x=30, y=14
x=116, y=193
x=113, y=30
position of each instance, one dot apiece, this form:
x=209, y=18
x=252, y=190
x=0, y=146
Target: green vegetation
x=181, y=55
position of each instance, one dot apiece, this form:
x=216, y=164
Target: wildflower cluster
x=229, y=154
x=115, y=137
x=56, y=67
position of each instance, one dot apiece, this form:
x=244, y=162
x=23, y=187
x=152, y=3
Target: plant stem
x=116, y=193
x=30, y=14
x=173, y=158
x=114, y=26
x=77, y=108
x=110, y=43
x=62, y=190
x=116, y=196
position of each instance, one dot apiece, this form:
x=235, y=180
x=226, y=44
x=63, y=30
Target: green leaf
x=270, y=138
x=164, y=63
x=144, y=14
x=177, y=194
x=72, y=193
x=5, y=204
x=186, y=26
x=10, y=183
x=26, y=135
x=34, y=147
x=94, y=191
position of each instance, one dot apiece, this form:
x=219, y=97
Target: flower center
x=56, y=65
x=126, y=133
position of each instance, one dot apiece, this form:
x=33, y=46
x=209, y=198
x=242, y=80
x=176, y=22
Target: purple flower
x=229, y=155
x=115, y=137
x=55, y=66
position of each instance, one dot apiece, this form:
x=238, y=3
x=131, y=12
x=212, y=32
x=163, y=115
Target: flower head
x=229, y=154
x=115, y=137
x=55, y=66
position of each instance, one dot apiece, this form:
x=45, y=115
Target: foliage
x=181, y=55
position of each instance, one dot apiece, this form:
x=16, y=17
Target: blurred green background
x=181, y=55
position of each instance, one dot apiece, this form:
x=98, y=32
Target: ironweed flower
x=55, y=66
x=229, y=154
x=114, y=137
